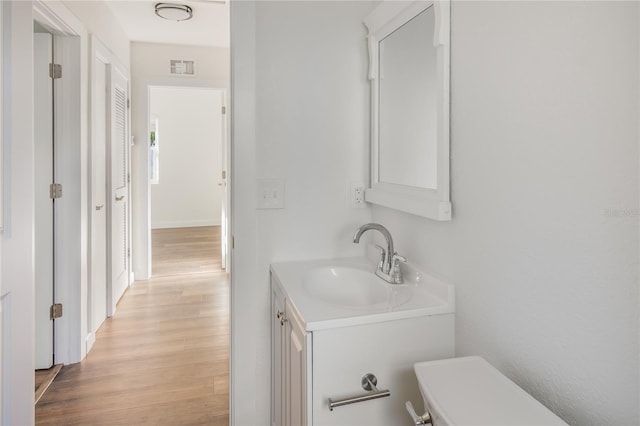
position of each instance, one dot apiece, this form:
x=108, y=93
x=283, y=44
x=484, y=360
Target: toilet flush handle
x=424, y=419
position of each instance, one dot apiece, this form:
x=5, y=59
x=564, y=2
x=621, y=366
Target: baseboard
x=185, y=224
x=90, y=340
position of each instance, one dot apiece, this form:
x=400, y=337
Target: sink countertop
x=430, y=295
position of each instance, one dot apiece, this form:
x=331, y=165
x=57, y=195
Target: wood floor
x=163, y=359
x=44, y=378
x=185, y=250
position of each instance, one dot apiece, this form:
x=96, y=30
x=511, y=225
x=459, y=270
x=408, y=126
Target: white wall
x=102, y=23
x=18, y=196
x=150, y=67
x=190, y=157
x=543, y=245
x=300, y=113
x=150, y=60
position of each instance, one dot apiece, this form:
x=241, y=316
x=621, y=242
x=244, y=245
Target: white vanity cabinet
x=321, y=354
x=289, y=361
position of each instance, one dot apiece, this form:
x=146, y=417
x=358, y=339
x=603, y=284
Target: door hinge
x=129, y=252
x=224, y=174
x=56, y=311
x=233, y=242
x=224, y=110
x=128, y=103
x=55, y=71
x=55, y=191
x=128, y=177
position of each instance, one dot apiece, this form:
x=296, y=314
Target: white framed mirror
x=409, y=74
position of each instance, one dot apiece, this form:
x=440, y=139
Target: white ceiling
x=208, y=27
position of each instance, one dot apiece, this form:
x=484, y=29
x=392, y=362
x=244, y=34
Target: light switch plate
x=270, y=193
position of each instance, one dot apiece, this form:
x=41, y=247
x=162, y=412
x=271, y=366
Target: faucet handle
x=383, y=255
x=396, y=271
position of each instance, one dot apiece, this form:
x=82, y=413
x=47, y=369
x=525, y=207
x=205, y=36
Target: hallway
x=164, y=356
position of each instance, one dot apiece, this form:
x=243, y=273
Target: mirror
x=409, y=73
x=407, y=104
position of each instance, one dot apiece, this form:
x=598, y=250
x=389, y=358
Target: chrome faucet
x=389, y=266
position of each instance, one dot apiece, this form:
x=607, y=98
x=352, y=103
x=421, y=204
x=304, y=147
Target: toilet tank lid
x=470, y=391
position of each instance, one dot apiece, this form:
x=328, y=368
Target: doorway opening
x=187, y=175
x=164, y=356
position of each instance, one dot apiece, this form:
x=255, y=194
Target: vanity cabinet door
x=278, y=359
x=297, y=371
x=290, y=356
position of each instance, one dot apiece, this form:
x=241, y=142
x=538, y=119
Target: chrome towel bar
x=369, y=382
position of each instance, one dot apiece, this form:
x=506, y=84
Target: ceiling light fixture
x=174, y=12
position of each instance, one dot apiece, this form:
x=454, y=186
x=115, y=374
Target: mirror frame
x=381, y=22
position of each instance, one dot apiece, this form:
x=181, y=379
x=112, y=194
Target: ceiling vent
x=183, y=67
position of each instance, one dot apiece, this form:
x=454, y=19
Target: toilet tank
x=470, y=391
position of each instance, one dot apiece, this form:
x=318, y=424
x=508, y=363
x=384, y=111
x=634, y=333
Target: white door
x=297, y=372
x=225, y=202
x=118, y=186
x=99, y=104
x=278, y=359
x=43, y=139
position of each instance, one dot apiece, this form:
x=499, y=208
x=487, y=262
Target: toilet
x=470, y=391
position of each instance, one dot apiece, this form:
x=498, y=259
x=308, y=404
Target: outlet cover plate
x=356, y=196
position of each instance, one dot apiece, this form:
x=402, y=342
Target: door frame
x=226, y=169
x=98, y=53
x=71, y=165
x=140, y=182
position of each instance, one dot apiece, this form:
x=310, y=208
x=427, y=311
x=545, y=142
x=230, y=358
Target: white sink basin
x=329, y=293
x=353, y=287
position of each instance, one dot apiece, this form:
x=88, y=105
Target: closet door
x=118, y=184
x=99, y=131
